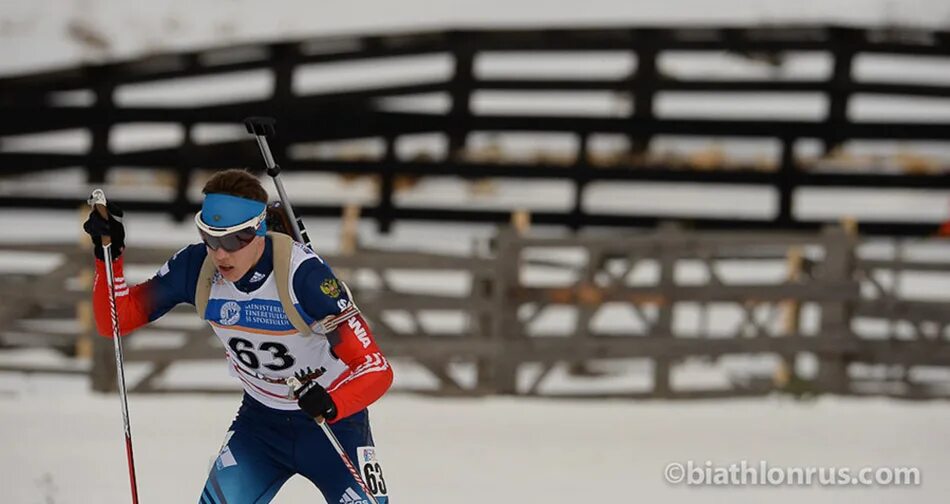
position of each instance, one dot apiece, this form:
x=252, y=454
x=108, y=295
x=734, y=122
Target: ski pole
x=98, y=201
x=261, y=128
x=295, y=384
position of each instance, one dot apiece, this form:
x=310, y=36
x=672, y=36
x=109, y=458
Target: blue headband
x=224, y=210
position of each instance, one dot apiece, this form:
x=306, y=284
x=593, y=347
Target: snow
x=63, y=444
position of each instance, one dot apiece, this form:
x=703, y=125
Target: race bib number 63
x=371, y=472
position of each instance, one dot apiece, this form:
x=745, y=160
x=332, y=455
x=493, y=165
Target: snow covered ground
x=62, y=444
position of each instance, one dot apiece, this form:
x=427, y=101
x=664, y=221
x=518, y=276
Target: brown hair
x=236, y=182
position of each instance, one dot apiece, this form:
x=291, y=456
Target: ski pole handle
x=97, y=200
x=262, y=128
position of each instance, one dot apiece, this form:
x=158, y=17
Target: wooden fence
x=537, y=314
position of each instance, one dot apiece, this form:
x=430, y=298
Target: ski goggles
x=231, y=238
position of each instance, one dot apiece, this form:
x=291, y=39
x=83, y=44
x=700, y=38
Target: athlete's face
x=234, y=265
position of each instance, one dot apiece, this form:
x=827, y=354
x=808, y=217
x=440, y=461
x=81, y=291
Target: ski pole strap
x=283, y=250
x=203, y=287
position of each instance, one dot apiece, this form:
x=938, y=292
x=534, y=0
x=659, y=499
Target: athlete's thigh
x=322, y=465
x=246, y=470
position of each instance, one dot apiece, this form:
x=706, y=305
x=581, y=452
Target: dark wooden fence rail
x=29, y=103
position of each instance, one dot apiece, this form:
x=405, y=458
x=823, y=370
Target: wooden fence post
x=668, y=237
x=792, y=313
x=84, y=315
x=521, y=221
x=102, y=372
x=349, y=237
x=836, y=315
x=90, y=345
x=507, y=332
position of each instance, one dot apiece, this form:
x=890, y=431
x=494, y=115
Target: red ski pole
x=98, y=202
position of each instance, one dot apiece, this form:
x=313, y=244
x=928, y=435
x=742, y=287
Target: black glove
x=97, y=227
x=316, y=401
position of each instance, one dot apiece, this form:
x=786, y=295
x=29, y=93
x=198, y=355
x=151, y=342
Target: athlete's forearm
x=132, y=304
x=363, y=385
x=369, y=374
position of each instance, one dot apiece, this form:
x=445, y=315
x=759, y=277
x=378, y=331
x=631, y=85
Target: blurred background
x=594, y=239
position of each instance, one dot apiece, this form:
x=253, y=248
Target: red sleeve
x=131, y=303
x=369, y=375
